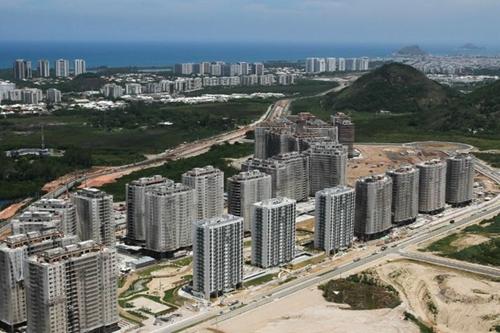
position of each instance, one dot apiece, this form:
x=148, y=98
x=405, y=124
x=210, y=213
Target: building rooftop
x=336, y=190
x=274, y=202
x=219, y=221
x=202, y=171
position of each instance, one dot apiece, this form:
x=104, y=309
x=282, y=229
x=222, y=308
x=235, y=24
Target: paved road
x=460, y=265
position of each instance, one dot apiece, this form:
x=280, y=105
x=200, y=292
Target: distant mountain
x=412, y=50
x=471, y=47
x=392, y=87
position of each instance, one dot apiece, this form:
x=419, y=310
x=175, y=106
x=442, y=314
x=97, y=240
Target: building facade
x=405, y=185
x=62, y=68
x=335, y=216
x=245, y=189
x=136, y=206
x=94, y=215
x=80, y=67
x=43, y=68
x=13, y=252
x=459, y=179
x=170, y=212
x=432, y=186
x=327, y=165
x=346, y=131
x=273, y=232
x=373, y=206
x=72, y=289
x=217, y=255
x=209, y=185
x=64, y=209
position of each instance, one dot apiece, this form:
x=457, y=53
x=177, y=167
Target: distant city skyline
x=364, y=21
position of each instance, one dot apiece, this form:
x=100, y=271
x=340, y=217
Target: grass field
x=362, y=291
x=486, y=253
x=393, y=128
x=173, y=170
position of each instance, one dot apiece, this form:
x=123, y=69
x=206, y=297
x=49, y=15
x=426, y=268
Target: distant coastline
x=143, y=54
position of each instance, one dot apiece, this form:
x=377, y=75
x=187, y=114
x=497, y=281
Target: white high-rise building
x=341, y=65
x=258, y=68
x=335, y=216
x=80, y=67
x=170, y=212
x=112, y=90
x=136, y=206
x=319, y=65
x=133, y=89
x=72, y=289
x=245, y=68
x=204, y=68
x=31, y=95
x=209, y=185
x=22, y=69
x=62, y=68
x=94, y=215
x=373, y=206
x=459, y=179
x=273, y=232
x=310, y=65
x=54, y=96
x=245, y=189
x=432, y=186
x=43, y=68
x=217, y=255
x=331, y=64
x=13, y=251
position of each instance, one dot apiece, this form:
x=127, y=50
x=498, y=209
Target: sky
x=363, y=21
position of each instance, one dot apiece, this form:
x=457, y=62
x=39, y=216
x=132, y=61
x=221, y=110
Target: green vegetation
x=186, y=261
x=492, y=158
x=260, y=280
x=423, y=327
x=362, y=291
x=25, y=176
x=108, y=138
x=486, y=253
x=172, y=297
x=301, y=88
x=137, y=287
x=216, y=156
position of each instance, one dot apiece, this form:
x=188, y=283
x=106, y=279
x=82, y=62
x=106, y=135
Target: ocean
x=143, y=54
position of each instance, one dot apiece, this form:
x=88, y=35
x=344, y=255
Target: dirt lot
x=377, y=159
x=307, y=311
x=449, y=300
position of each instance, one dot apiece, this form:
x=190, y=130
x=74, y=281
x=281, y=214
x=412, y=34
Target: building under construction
x=460, y=180
x=345, y=131
x=289, y=174
x=432, y=186
x=373, y=207
x=405, y=183
x=292, y=133
x=327, y=165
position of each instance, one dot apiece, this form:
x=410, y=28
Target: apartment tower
x=432, y=186
x=72, y=289
x=460, y=180
x=136, y=206
x=217, y=255
x=273, y=232
x=405, y=183
x=208, y=183
x=170, y=212
x=373, y=206
x=245, y=189
x=94, y=214
x=334, y=223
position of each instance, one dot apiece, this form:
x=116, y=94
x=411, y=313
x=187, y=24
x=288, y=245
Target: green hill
x=393, y=87
x=476, y=112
